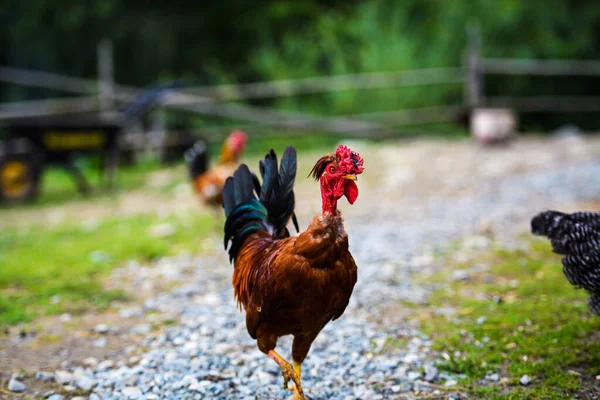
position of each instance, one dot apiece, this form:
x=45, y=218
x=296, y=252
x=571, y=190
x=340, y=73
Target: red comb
x=350, y=161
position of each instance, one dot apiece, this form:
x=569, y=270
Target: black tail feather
x=228, y=199
x=577, y=237
x=270, y=179
x=287, y=201
x=245, y=214
x=197, y=159
x=277, y=190
x=256, y=184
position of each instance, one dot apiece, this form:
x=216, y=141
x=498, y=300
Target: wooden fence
x=213, y=100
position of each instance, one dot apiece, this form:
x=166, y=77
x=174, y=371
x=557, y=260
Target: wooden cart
x=30, y=145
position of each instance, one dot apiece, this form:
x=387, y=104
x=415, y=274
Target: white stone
x=16, y=386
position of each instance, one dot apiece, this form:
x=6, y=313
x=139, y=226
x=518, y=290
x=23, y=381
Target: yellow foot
x=288, y=374
x=297, y=392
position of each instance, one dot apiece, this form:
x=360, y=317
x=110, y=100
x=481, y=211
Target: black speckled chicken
x=577, y=237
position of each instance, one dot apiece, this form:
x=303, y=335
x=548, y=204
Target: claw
x=288, y=374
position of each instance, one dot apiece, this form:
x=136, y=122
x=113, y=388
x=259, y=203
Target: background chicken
x=577, y=236
x=208, y=183
x=290, y=285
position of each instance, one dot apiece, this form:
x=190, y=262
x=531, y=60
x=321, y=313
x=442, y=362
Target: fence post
x=474, y=90
x=105, y=75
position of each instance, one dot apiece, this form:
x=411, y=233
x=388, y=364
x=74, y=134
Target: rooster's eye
x=332, y=170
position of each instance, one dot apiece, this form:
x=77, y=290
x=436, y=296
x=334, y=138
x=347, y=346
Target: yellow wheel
x=17, y=181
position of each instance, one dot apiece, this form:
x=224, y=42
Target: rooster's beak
x=352, y=177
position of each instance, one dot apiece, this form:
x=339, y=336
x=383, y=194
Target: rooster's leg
x=298, y=371
x=288, y=374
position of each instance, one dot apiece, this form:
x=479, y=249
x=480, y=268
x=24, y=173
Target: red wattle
x=351, y=191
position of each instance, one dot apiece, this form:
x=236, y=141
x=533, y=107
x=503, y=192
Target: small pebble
x=105, y=365
x=431, y=373
x=63, y=377
x=66, y=317
x=525, y=380
x=141, y=329
x=413, y=375
x=461, y=275
x=84, y=383
x=90, y=362
x=132, y=393
x=44, y=376
x=101, y=342
x=101, y=328
x=450, y=382
x=131, y=312
x=493, y=377
x=162, y=230
x=16, y=386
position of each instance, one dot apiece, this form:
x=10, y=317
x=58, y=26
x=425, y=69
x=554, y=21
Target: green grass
x=57, y=186
x=71, y=259
x=542, y=327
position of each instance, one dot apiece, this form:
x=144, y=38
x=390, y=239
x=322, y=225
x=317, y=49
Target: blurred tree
x=246, y=40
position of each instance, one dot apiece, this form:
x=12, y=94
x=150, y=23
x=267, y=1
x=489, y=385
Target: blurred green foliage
x=242, y=41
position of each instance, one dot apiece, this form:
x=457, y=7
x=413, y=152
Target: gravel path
x=208, y=353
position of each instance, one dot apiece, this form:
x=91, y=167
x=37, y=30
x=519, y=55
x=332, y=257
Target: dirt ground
x=403, y=173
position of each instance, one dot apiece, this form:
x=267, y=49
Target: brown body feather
x=295, y=285
x=210, y=184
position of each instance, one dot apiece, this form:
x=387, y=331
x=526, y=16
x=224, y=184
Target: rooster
x=290, y=285
x=577, y=236
x=208, y=183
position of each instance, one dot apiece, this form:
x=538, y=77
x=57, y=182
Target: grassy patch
x=58, y=187
x=69, y=260
x=520, y=316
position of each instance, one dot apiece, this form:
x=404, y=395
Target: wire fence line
x=48, y=107
x=413, y=116
x=547, y=103
x=541, y=67
x=329, y=84
x=213, y=100
x=187, y=100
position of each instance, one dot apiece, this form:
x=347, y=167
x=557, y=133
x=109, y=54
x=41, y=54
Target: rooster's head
x=337, y=173
x=236, y=142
